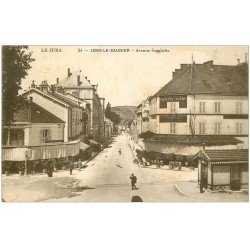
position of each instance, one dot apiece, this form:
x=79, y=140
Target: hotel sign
x=182, y=99
x=173, y=118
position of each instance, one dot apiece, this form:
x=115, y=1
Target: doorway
x=235, y=181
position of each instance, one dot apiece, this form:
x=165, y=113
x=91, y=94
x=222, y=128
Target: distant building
x=142, y=117
x=76, y=84
x=86, y=113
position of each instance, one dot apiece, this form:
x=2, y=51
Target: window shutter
x=41, y=135
x=49, y=135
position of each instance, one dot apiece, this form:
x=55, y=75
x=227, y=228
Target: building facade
x=76, y=84
x=68, y=111
x=203, y=105
x=33, y=126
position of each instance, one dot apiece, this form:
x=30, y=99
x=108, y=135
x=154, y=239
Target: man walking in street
x=133, y=181
x=71, y=166
x=79, y=165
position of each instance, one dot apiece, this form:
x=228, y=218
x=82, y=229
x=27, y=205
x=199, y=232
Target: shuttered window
x=172, y=128
x=172, y=107
x=202, y=128
x=238, y=107
x=45, y=135
x=217, y=128
x=238, y=128
x=202, y=108
x=217, y=107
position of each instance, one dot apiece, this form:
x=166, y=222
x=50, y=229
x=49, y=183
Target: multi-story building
x=76, y=84
x=61, y=106
x=34, y=138
x=203, y=105
x=142, y=117
x=33, y=126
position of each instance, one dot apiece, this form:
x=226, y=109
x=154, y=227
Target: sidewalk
x=192, y=190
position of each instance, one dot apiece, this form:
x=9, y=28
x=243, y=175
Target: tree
x=108, y=110
x=112, y=116
x=15, y=65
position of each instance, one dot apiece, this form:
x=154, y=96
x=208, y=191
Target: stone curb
x=91, y=159
x=181, y=192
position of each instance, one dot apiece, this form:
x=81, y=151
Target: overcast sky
x=125, y=78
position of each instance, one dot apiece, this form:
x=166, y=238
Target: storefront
x=223, y=169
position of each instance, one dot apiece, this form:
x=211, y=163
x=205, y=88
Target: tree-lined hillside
x=126, y=113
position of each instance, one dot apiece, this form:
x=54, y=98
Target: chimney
x=44, y=87
x=246, y=58
x=69, y=73
x=238, y=60
x=183, y=65
x=78, y=80
x=30, y=108
x=33, y=84
x=52, y=89
x=57, y=80
x=176, y=72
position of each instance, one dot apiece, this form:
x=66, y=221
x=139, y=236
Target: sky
x=124, y=78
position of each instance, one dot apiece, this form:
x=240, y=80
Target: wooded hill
x=126, y=113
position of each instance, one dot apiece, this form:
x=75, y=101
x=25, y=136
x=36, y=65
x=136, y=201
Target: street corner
x=191, y=189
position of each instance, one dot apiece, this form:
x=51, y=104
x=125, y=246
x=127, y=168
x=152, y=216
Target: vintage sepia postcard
x=125, y=124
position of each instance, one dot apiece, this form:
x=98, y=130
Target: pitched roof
x=71, y=81
x=199, y=140
x=53, y=96
x=65, y=99
x=227, y=155
x=37, y=114
x=49, y=96
x=208, y=79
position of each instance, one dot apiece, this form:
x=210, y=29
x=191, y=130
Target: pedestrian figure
x=79, y=165
x=120, y=151
x=50, y=168
x=133, y=181
x=71, y=166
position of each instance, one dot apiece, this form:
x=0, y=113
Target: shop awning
x=197, y=140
